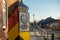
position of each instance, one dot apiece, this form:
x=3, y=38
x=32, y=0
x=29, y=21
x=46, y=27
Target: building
x=14, y=15
x=4, y=4
x=53, y=25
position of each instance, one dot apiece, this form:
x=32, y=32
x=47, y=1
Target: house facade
x=53, y=25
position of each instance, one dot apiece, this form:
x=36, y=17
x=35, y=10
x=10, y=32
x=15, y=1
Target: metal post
x=41, y=33
x=52, y=37
x=44, y=34
x=47, y=35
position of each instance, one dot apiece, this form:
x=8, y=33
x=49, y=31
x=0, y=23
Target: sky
x=43, y=9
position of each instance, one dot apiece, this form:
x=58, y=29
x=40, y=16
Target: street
x=37, y=34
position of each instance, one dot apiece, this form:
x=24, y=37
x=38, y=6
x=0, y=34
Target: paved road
x=35, y=34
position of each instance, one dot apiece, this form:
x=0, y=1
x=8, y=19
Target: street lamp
x=33, y=17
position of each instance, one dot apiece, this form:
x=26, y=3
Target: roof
x=21, y=4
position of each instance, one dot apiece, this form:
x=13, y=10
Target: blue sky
x=43, y=9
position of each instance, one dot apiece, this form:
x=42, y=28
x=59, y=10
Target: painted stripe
x=19, y=38
x=25, y=35
x=13, y=19
x=13, y=33
x=11, y=9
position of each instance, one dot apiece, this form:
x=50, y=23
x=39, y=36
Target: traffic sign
x=23, y=20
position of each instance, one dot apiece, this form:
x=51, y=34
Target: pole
x=33, y=17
